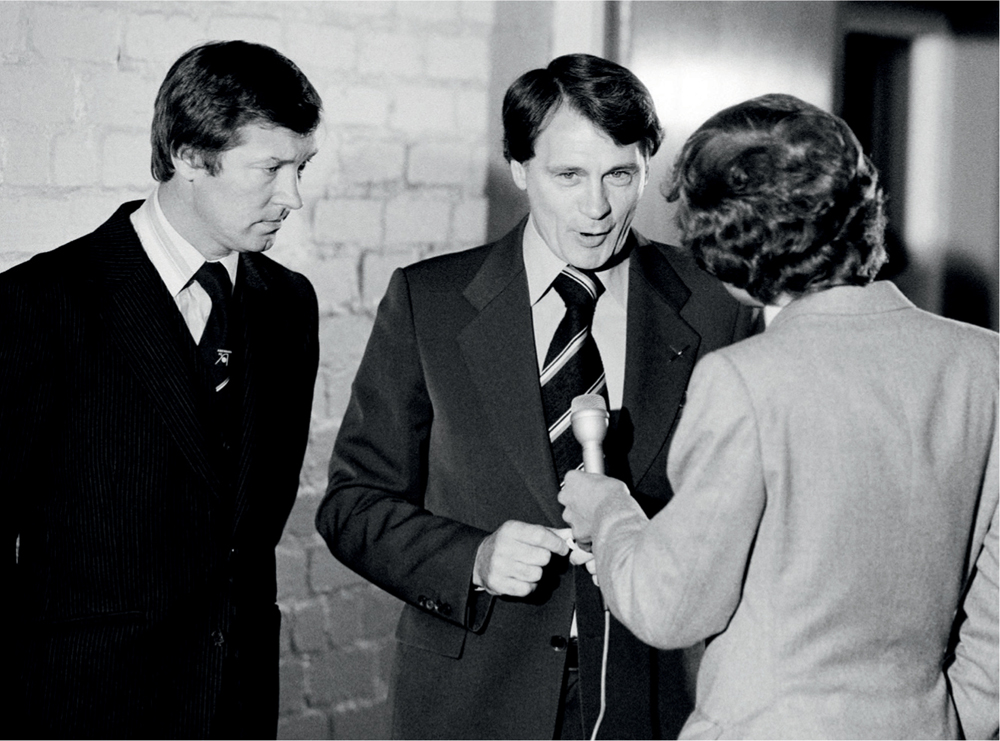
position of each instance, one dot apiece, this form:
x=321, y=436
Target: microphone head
x=588, y=401
x=589, y=418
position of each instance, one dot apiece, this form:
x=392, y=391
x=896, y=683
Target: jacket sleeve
x=27, y=360
x=975, y=672
x=676, y=579
x=372, y=516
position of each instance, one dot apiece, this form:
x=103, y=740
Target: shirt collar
x=175, y=259
x=770, y=312
x=542, y=266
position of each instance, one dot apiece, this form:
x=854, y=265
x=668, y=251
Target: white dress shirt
x=548, y=308
x=176, y=261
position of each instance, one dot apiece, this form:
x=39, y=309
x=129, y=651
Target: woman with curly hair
x=833, y=532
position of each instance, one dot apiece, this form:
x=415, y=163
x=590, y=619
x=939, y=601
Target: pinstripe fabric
x=139, y=547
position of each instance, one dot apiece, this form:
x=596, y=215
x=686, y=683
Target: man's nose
x=286, y=193
x=595, y=203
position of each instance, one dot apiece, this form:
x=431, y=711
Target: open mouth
x=270, y=227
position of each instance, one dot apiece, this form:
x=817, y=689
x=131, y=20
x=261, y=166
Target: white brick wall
x=67, y=31
x=421, y=109
x=12, y=36
x=400, y=175
x=391, y=54
x=37, y=95
x=366, y=160
x=404, y=86
x=350, y=221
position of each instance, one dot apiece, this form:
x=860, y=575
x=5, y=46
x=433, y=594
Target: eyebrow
x=279, y=161
x=629, y=166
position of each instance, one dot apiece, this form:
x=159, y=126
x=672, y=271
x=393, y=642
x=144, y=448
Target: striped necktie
x=572, y=365
x=214, y=343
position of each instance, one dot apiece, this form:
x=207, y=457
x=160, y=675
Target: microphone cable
x=604, y=672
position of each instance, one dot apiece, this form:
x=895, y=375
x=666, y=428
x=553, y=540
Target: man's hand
x=580, y=496
x=510, y=561
x=577, y=555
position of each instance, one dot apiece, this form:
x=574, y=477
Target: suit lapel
x=259, y=329
x=499, y=350
x=661, y=348
x=143, y=321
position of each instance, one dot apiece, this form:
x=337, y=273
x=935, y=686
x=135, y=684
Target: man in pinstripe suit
x=156, y=381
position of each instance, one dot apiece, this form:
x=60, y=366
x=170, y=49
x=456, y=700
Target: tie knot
x=214, y=278
x=578, y=288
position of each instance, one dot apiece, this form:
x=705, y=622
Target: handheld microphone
x=589, y=418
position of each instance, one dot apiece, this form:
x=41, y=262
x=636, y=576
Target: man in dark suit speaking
x=156, y=381
x=445, y=473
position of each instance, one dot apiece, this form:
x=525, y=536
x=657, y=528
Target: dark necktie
x=572, y=365
x=214, y=344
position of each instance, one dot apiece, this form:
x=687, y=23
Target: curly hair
x=776, y=197
x=605, y=93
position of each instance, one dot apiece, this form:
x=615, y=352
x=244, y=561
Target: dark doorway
x=874, y=102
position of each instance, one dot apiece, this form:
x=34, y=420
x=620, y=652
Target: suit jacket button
x=422, y=602
x=559, y=643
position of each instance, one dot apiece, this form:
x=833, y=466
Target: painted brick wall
x=400, y=175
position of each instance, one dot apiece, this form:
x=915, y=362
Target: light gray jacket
x=835, y=510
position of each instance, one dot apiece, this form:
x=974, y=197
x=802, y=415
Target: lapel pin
x=677, y=353
x=223, y=356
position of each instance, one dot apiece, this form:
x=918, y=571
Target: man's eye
x=568, y=176
x=621, y=177
x=273, y=168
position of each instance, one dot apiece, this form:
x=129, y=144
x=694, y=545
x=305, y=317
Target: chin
x=592, y=259
x=261, y=246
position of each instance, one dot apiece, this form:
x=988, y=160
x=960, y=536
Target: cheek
x=626, y=199
x=564, y=205
x=544, y=205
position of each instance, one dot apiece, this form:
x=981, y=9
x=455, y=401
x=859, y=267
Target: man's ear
x=188, y=162
x=519, y=174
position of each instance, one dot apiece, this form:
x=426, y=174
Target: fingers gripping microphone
x=589, y=418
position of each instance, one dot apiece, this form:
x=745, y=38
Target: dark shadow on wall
x=965, y=292
x=508, y=204
x=521, y=40
x=899, y=257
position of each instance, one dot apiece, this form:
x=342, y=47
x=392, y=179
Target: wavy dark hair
x=605, y=93
x=777, y=197
x=214, y=89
